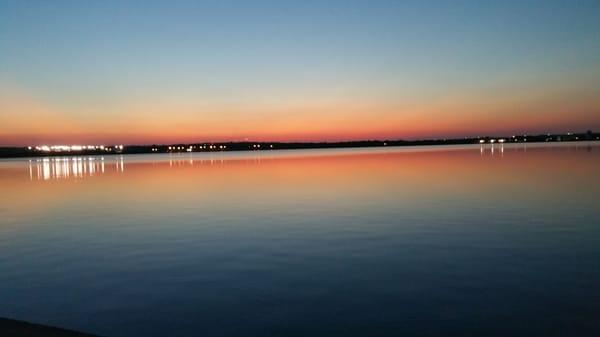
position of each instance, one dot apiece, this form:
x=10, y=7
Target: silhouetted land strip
x=13, y=328
x=8, y=152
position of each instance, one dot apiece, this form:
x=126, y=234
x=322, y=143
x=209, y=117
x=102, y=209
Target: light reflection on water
x=57, y=168
x=465, y=240
x=88, y=166
x=71, y=167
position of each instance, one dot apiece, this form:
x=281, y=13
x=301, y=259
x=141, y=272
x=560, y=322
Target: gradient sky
x=179, y=71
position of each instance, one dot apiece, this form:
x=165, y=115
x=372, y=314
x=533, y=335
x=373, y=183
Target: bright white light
x=481, y=141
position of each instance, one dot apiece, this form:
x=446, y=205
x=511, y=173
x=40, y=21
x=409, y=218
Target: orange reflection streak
x=357, y=178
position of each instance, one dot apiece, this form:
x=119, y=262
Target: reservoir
x=499, y=240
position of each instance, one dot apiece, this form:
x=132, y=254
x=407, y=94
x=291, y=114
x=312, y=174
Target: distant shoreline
x=19, y=152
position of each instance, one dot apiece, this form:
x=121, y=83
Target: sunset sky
x=185, y=71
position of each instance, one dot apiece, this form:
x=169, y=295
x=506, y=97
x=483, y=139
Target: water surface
x=423, y=241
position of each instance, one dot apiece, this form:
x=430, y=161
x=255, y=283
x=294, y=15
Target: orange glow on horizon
x=172, y=121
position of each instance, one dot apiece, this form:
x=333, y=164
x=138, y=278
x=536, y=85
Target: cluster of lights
x=73, y=148
x=257, y=146
x=193, y=147
x=492, y=141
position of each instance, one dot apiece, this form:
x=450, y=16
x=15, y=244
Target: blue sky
x=82, y=57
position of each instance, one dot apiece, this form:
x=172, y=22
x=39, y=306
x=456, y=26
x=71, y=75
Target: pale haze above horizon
x=184, y=71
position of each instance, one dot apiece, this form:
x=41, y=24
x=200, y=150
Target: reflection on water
x=72, y=167
x=57, y=168
x=493, y=240
x=491, y=149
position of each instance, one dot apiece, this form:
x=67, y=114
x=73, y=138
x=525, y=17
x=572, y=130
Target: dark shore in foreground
x=14, y=328
x=32, y=151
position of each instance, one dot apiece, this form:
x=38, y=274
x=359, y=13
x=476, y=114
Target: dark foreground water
x=444, y=241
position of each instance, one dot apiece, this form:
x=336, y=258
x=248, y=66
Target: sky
x=143, y=72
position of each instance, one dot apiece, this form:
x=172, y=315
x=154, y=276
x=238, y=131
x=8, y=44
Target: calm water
x=445, y=241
